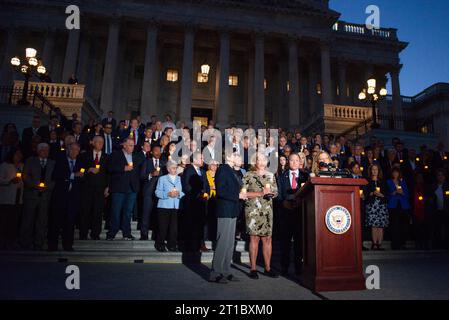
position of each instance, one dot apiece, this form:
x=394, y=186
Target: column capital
x=396, y=68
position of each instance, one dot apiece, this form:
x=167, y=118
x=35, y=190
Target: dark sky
x=422, y=23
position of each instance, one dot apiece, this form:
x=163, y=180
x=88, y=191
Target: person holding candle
x=124, y=183
x=398, y=205
x=152, y=169
x=94, y=190
x=377, y=217
x=212, y=203
x=290, y=213
x=439, y=211
x=261, y=188
x=11, y=191
x=38, y=185
x=169, y=192
x=66, y=198
x=228, y=188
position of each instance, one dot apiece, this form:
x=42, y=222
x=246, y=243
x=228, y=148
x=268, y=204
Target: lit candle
x=375, y=159
x=205, y=195
x=420, y=198
x=445, y=157
x=417, y=159
x=41, y=185
x=82, y=170
x=377, y=189
x=58, y=125
x=158, y=169
x=363, y=153
x=88, y=130
x=447, y=193
x=361, y=168
x=130, y=163
x=268, y=186
x=401, y=161
x=361, y=192
x=97, y=166
x=399, y=187
x=174, y=189
x=19, y=175
x=243, y=190
x=302, y=184
x=169, y=157
x=426, y=167
x=62, y=149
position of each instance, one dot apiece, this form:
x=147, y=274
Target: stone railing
x=362, y=30
x=53, y=90
x=337, y=112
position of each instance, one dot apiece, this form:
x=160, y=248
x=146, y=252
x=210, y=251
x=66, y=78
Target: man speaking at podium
x=291, y=213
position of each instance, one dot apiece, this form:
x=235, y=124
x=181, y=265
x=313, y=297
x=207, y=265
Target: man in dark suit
x=38, y=185
x=152, y=168
x=194, y=186
x=111, y=142
x=44, y=131
x=29, y=133
x=66, y=198
x=134, y=133
x=72, y=121
x=94, y=190
x=291, y=214
x=438, y=196
x=228, y=187
x=124, y=170
x=158, y=133
x=110, y=119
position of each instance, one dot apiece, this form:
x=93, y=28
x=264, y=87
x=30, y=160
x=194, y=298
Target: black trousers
x=398, y=225
x=291, y=228
x=168, y=227
x=92, y=207
x=9, y=224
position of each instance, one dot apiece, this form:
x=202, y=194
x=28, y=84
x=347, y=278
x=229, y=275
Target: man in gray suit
x=38, y=185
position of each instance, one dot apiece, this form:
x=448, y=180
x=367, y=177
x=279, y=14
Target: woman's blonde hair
x=316, y=164
x=254, y=158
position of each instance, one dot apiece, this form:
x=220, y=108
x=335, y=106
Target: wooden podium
x=332, y=240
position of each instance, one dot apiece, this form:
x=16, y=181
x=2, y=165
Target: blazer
x=285, y=190
x=99, y=180
x=394, y=199
x=32, y=178
x=194, y=185
x=121, y=181
x=164, y=186
x=371, y=187
x=228, y=187
x=148, y=167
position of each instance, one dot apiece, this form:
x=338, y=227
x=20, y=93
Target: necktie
x=199, y=172
x=107, y=144
x=294, y=183
x=97, y=161
x=42, y=163
x=135, y=137
x=72, y=166
x=156, y=163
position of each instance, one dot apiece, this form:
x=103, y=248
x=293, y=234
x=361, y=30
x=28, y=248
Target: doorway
x=202, y=115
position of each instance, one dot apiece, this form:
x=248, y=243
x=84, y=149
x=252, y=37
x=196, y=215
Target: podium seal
x=338, y=219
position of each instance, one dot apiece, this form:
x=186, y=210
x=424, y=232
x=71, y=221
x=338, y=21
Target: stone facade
x=290, y=57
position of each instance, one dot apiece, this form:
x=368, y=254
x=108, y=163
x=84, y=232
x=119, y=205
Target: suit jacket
x=395, y=199
x=113, y=122
x=95, y=181
x=62, y=192
x=27, y=136
x=32, y=178
x=121, y=181
x=115, y=140
x=228, y=187
x=285, y=191
x=149, y=185
x=44, y=132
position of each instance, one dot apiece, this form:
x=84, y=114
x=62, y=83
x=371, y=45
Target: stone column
x=396, y=92
x=71, y=54
x=6, y=68
x=313, y=81
x=326, y=85
x=250, y=91
x=148, y=105
x=185, y=109
x=110, y=66
x=342, y=82
x=83, y=59
x=222, y=93
x=259, y=76
x=48, y=51
x=293, y=76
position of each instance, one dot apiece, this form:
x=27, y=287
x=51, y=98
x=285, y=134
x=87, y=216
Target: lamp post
x=27, y=66
x=372, y=95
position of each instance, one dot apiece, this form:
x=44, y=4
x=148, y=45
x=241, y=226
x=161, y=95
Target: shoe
x=253, y=275
x=284, y=273
x=379, y=248
x=204, y=248
x=232, y=278
x=161, y=248
x=271, y=274
x=129, y=238
x=173, y=249
x=219, y=279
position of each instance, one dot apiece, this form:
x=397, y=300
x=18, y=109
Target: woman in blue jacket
x=169, y=192
x=398, y=207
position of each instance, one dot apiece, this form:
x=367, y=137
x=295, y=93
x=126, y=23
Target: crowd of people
x=65, y=177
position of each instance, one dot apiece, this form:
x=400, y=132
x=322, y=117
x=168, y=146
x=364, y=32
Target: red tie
x=135, y=138
x=96, y=159
x=294, y=184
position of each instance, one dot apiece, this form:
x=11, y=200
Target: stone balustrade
x=362, y=30
x=53, y=90
x=351, y=113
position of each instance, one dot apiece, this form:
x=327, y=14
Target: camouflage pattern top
x=252, y=182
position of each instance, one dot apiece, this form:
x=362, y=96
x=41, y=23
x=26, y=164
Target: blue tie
x=108, y=151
